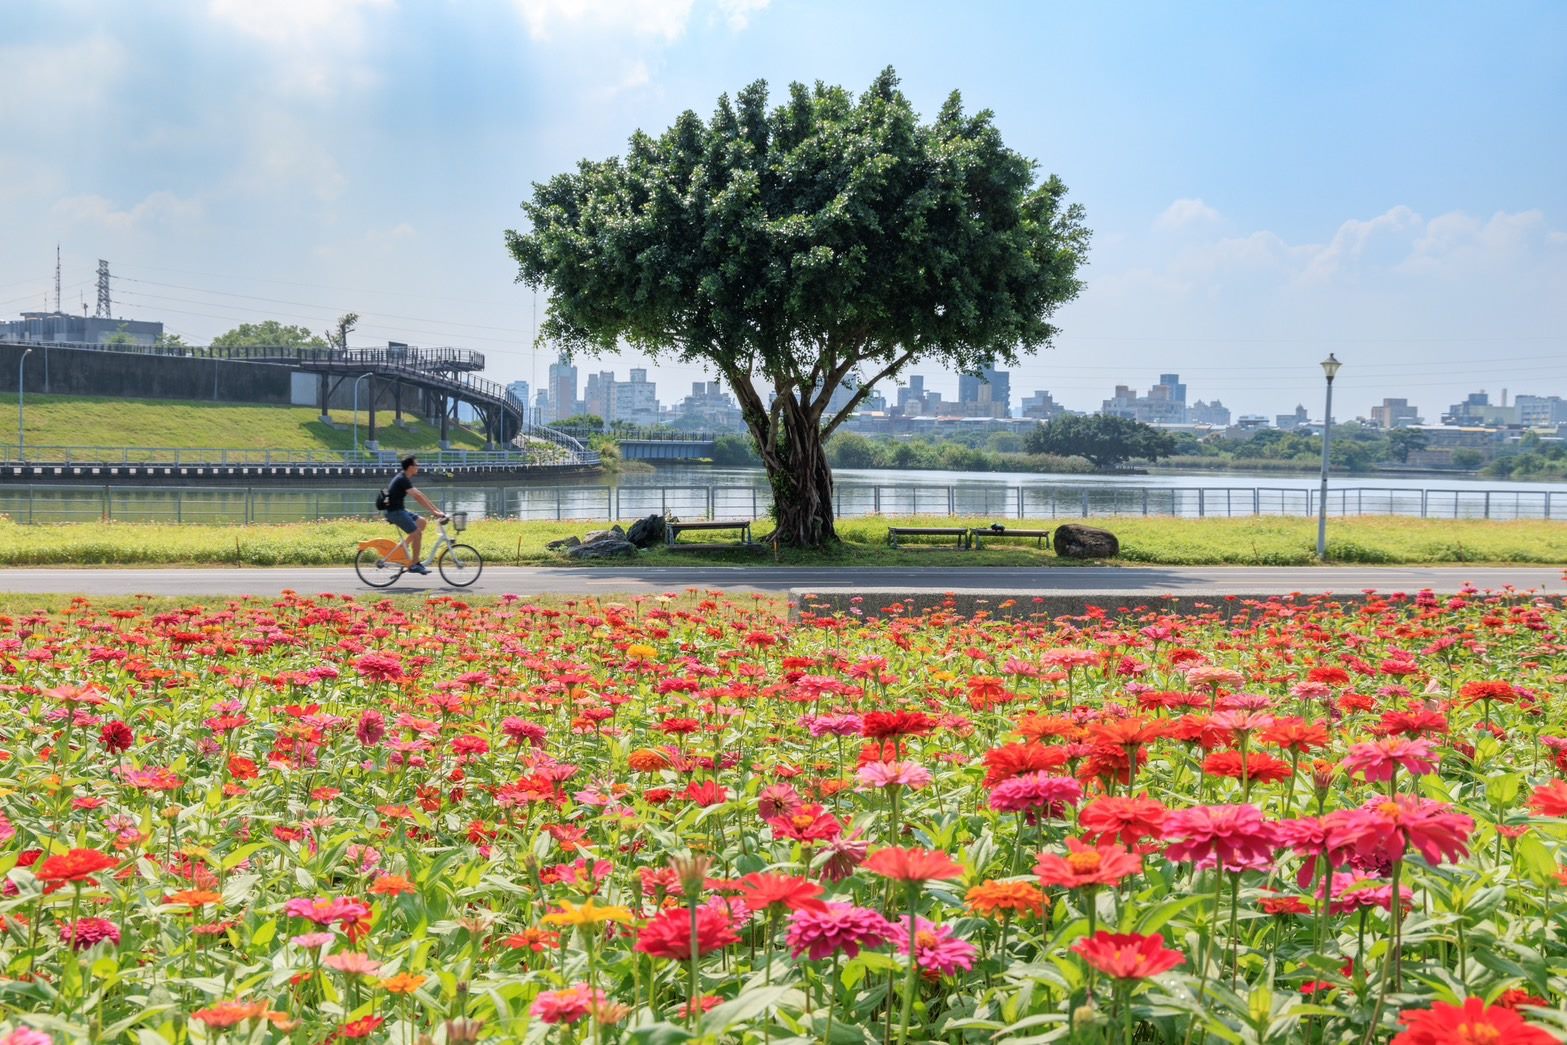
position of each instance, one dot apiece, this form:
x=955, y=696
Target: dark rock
x=564, y=544
x=605, y=548
x=648, y=532
x=614, y=533
x=1085, y=542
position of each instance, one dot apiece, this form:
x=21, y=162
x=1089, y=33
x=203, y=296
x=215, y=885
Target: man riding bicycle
x=400, y=488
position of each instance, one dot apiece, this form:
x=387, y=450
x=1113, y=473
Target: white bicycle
x=381, y=562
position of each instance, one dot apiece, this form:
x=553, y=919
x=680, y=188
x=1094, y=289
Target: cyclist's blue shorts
x=403, y=519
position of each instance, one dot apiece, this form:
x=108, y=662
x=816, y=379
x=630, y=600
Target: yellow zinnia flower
x=587, y=913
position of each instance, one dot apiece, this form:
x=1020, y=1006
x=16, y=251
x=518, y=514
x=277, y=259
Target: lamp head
x=1330, y=366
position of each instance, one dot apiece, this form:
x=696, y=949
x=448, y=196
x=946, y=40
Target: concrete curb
x=1013, y=605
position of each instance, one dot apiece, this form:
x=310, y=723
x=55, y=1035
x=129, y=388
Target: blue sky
x=1266, y=182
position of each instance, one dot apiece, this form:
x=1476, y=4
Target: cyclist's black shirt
x=396, y=491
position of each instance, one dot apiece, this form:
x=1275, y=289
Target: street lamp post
x=21, y=414
x=1330, y=367
x=358, y=379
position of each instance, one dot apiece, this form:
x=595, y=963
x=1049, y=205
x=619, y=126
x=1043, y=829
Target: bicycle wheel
x=374, y=570
x=460, y=565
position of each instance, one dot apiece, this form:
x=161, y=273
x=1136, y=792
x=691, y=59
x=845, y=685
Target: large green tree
x=268, y=333
x=793, y=248
x=1106, y=441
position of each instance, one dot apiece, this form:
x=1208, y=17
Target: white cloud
x=1185, y=212
x=1387, y=233
x=317, y=44
x=53, y=89
x=738, y=12
x=97, y=210
x=664, y=19
x=281, y=155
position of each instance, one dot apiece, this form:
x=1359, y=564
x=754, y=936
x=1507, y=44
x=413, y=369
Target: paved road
x=1199, y=580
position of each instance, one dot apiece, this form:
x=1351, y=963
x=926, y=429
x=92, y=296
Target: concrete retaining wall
x=75, y=372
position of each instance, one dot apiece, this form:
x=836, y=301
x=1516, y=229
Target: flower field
x=686, y=818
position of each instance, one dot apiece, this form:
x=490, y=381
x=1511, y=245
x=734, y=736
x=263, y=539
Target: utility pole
x=105, y=309
x=57, y=277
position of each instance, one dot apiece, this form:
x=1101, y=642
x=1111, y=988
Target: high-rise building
x=709, y=408
x=1537, y=411
x=598, y=396
x=634, y=401
x=1214, y=413
x=1165, y=402
x=985, y=394
x=563, y=390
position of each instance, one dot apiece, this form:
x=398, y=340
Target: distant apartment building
x=1292, y=422
x=985, y=394
x=62, y=327
x=1214, y=414
x=1395, y=413
x=709, y=409
x=598, y=395
x=1443, y=439
x=1477, y=409
x=1165, y=402
x=1041, y=406
x=634, y=401
x=1541, y=411
x=563, y=390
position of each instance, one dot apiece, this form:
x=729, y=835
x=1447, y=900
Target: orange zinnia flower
x=392, y=885
x=990, y=898
x=1087, y=865
x=403, y=983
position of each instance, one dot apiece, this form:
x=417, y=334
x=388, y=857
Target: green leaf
x=1535, y=860
x=1502, y=791
x=264, y=933
x=750, y=1003
x=660, y=1034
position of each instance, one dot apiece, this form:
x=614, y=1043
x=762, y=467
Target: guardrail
x=27, y=502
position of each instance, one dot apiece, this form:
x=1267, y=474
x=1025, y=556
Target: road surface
x=499, y=580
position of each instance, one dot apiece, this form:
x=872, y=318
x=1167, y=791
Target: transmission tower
x=104, y=309
x=57, y=277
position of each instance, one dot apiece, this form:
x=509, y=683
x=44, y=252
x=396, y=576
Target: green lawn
x=180, y=424
x=1152, y=541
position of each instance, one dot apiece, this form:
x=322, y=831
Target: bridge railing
x=413, y=357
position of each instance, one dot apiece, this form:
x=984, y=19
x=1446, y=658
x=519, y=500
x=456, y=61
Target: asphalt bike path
x=553, y=580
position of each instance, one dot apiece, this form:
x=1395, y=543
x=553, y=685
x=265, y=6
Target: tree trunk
x=801, y=479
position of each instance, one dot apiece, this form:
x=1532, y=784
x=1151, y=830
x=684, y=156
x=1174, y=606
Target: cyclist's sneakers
x=418, y=567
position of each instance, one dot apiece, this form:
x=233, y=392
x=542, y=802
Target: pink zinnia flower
x=85, y=932
x=1037, y=794
x=26, y=1036
x=371, y=728
x=352, y=963
x=1380, y=832
x=937, y=951
x=893, y=774
x=324, y=910
x=777, y=800
x=567, y=1005
x=841, y=927
x=844, y=854
x=1235, y=837
x=1380, y=759
x=310, y=941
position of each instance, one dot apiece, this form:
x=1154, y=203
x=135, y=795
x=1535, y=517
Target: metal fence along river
x=56, y=503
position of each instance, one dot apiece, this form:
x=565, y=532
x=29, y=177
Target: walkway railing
x=411, y=356
x=194, y=457
x=30, y=502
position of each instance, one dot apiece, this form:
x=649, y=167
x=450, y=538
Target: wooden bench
x=979, y=535
x=673, y=529
x=960, y=532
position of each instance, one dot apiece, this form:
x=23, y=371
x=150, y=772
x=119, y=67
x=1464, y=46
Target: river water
x=694, y=491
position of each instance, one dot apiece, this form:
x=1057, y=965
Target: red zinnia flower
x=1128, y=956
x=1473, y=1023
x=1086, y=865
x=1126, y=820
x=1258, y=765
x=883, y=724
x=1010, y=760
x=760, y=890
x=1380, y=759
x=912, y=865
x=1381, y=831
x=1549, y=799
x=116, y=737
x=668, y=935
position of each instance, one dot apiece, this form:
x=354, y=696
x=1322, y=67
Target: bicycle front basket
x=459, y=521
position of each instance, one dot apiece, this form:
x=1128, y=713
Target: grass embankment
x=1265, y=541
x=105, y=421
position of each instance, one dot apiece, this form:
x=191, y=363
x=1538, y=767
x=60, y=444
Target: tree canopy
x=269, y=333
x=793, y=247
x=1105, y=440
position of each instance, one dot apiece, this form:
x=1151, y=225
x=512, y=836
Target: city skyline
x=386, y=146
